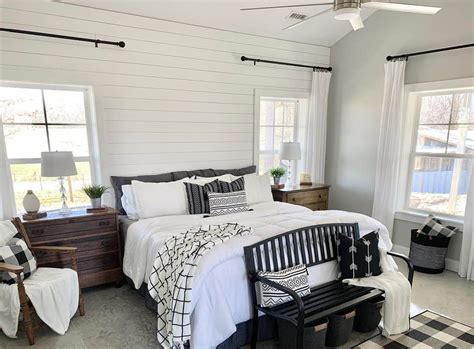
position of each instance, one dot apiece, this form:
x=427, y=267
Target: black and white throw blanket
x=170, y=282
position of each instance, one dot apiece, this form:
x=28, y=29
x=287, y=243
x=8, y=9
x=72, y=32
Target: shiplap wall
x=176, y=97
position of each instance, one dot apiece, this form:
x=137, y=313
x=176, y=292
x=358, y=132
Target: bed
x=221, y=301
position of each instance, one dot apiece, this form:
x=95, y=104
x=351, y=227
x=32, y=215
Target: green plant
x=94, y=191
x=278, y=172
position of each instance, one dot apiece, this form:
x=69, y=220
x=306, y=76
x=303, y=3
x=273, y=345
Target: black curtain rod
x=406, y=55
x=257, y=60
x=67, y=37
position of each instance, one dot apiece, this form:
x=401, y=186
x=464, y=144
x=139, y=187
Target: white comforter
x=221, y=297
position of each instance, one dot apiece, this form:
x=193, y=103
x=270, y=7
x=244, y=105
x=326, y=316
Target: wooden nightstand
x=314, y=196
x=94, y=234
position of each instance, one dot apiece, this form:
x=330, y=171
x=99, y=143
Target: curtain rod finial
x=243, y=58
x=389, y=58
x=121, y=44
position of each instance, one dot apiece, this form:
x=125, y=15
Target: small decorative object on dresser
x=31, y=204
x=277, y=173
x=96, y=237
x=313, y=196
x=95, y=192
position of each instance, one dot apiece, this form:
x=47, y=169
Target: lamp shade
x=57, y=164
x=290, y=151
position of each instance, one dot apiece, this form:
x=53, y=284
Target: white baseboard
x=451, y=264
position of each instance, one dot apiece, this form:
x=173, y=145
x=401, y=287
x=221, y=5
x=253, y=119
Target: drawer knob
x=294, y=199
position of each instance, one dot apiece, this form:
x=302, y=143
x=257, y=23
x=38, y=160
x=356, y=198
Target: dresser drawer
x=90, y=263
x=68, y=228
x=308, y=197
x=317, y=207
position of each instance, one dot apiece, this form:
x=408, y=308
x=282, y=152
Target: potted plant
x=277, y=173
x=95, y=192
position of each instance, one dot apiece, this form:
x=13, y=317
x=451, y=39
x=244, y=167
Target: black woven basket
x=340, y=327
x=428, y=253
x=368, y=315
x=314, y=335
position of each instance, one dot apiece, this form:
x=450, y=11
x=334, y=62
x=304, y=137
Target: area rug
x=427, y=330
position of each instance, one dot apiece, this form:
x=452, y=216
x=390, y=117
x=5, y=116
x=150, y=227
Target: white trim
x=436, y=86
x=419, y=217
x=450, y=264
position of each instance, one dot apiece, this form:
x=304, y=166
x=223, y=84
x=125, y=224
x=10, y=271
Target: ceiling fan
x=349, y=10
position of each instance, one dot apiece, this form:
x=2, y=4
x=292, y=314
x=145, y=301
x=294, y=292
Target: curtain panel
x=7, y=198
x=466, y=261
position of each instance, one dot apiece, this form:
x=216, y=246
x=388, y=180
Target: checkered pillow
x=433, y=227
x=16, y=252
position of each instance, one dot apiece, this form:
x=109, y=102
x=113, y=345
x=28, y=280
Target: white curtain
x=7, y=198
x=315, y=157
x=389, y=149
x=466, y=262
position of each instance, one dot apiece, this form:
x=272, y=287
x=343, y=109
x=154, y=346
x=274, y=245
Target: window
x=442, y=150
x=46, y=119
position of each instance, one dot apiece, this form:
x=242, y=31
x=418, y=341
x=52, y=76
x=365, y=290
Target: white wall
x=176, y=97
x=355, y=97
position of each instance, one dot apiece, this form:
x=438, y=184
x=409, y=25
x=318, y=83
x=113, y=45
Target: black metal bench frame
x=311, y=246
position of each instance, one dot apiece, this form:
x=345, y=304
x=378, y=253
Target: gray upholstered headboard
x=118, y=181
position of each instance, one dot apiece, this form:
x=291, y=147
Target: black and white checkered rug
x=428, y=330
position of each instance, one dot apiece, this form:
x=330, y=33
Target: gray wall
x=355, y=98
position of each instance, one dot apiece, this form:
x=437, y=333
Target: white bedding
x=221, y=294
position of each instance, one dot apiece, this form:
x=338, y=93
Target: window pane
x=71, y=138
x=28, y=177
x=65, y=106
x=439, y=185
x=278, y=138
x=279, y=113
x=436, y=109
x=290, y=111
x=267, y=161
x=288, y=133
x=463, y=110
x=432, y=139
x=267, y=112
x=21, y=105
x=25, y=141
x=461, y=139
x=266, y=138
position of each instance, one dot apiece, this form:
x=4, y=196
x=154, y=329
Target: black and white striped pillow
x=198, y=200
x=295, y=278
x=16, y=252
x=227, y=187
x=226, y=203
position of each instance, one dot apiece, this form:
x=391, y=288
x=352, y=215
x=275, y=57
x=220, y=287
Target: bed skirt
x=266, y=326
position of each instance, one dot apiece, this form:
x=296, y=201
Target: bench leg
x=299, y=336
x=253, y=340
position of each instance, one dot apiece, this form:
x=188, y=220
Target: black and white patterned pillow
x=227, y=187
x=295, y=278
x=198, y=200
x=358, y=258
x=226, y=203
x=16, y=252
x=432, y=226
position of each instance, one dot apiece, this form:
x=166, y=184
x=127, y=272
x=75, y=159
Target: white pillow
x=258, y=188
x=128, y=201
x=7, y=231
x=159, y=199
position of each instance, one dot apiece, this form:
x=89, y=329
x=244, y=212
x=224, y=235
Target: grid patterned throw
x=427, y=330
x=170, y=283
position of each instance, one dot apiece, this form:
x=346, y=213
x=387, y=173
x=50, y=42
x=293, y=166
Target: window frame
x=412, y=108
x=277, y=95
x=90, y=123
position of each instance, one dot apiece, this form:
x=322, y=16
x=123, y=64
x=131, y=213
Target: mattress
x=220, y=296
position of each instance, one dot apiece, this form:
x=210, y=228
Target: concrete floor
x=117, y=317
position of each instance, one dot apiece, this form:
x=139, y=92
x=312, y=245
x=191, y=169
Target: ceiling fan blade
x=284, y=6
x=357, y=23
x=307, y=19
x=391, y=6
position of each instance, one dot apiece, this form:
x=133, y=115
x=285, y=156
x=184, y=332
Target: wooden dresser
x=314, y=196
x=94, y=234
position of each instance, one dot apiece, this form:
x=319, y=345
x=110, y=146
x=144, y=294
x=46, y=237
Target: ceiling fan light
x=347, y=14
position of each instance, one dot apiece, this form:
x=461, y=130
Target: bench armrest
x=54, y=248
x=11, y=268
x=290, y=292
x=411, y=270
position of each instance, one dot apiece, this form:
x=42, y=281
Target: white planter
x=31, y=203
x=96, y=203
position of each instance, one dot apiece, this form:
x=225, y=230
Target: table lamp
x=59, y=164
x=290, y=151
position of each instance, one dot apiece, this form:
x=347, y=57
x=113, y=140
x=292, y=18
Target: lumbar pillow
x=159, y=199
x=433, y=226
x=295, y=278
x=16, y=252
x=198, y=199
x=7, y=232
x=258, y=188
x=227, y=187
x=358, y=258
x=226, y=203
x=128, y=202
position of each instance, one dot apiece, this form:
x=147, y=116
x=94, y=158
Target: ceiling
x=226, y=15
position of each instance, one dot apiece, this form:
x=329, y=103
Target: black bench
x=311, y=245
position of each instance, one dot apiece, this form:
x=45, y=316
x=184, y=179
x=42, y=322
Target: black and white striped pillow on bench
x=226, y=203
x=295, y=278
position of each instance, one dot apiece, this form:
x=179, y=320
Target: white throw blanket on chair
x=396, y=309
